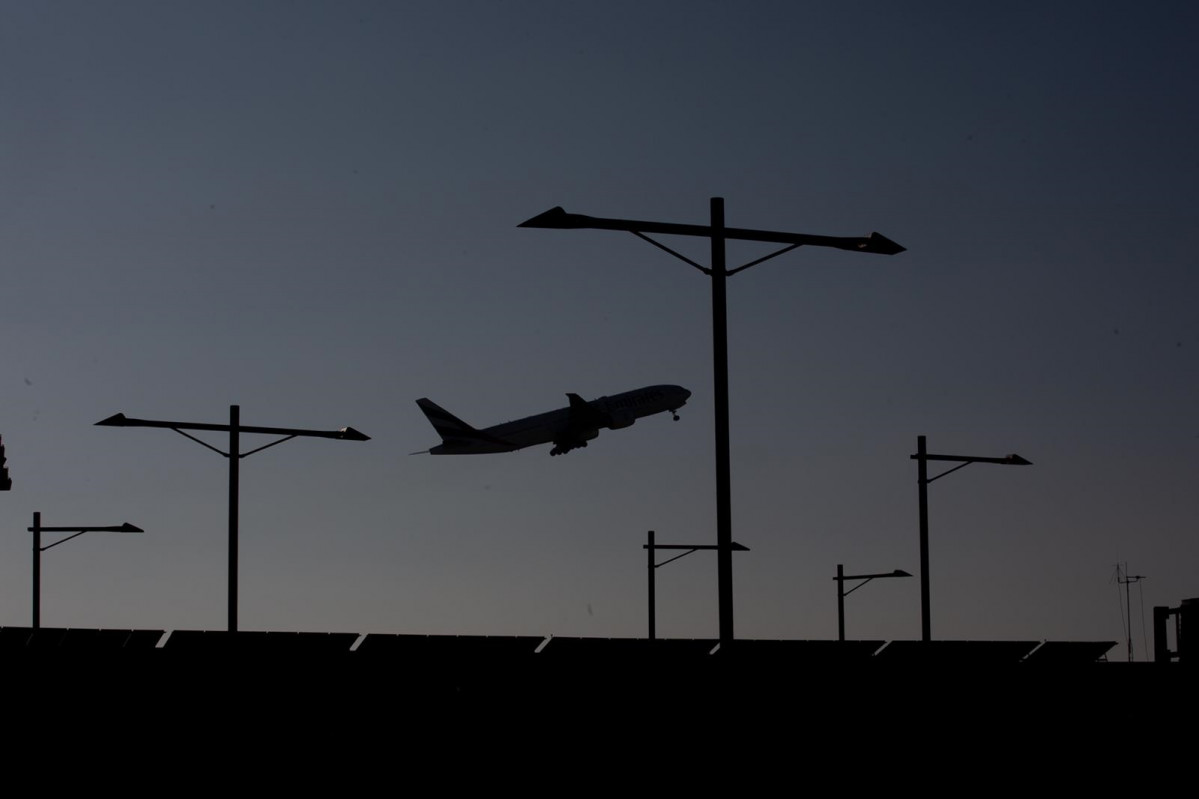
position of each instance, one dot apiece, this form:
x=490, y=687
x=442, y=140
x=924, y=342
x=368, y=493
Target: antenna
x=1126, y=581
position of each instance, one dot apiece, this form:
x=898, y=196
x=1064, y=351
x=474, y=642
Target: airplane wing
x=585, y=417
x=582, y=425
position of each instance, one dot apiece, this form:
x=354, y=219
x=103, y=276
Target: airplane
x=568, y=428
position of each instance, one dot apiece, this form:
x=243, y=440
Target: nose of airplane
x=686, y=393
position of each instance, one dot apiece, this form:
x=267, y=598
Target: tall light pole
x=718, y=234
x=922, y=457
x=235, y=428
x=37, y=529
x=842, y=593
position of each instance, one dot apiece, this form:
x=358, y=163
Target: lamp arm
x=856, y=587
x=951, y=471
x=264, y=446
x=64, y=540
x=732, y=272
x=672, y=560
x=222, y=453
x=680, y=256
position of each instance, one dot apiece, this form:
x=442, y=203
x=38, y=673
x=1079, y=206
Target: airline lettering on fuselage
x=567, y=428
x=639, y=398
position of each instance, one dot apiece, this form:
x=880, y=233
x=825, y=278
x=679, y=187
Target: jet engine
x=565, y=444
x=621, y=420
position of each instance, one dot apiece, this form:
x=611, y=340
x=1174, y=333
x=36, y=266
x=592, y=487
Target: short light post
x=37, y=529
x=717, y=234
x=922, y=457
x=842, y=593
x=235, y=428
x=650, y=547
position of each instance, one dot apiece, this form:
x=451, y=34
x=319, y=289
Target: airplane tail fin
x=457, y=437
x=447, y=425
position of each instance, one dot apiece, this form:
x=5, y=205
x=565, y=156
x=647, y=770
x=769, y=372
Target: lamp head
x=129, y=528
x=1016, y=460
x=350, y=434
x=116, y=420
x=557, y=218
x=879, y=244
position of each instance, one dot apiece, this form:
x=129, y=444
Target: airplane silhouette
x=568, y=428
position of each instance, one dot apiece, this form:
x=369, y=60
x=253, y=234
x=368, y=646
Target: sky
x=310, y=210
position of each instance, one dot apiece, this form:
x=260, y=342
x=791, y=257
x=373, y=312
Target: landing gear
x=674, y=413
x=563, y=447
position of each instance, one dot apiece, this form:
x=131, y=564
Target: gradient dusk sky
x=310, y=210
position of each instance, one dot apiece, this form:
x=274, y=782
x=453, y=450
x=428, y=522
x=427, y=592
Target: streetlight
x=650, y=547
x=37, y=529
x=235, y=428
x=842, y=593
x=923, y=457
x=558, y=219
